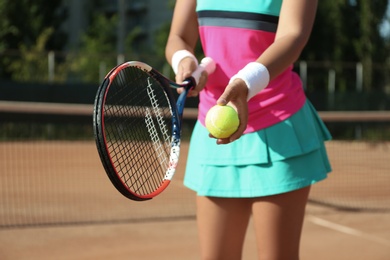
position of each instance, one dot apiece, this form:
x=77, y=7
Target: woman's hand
x=186, y=67
x=235, y=95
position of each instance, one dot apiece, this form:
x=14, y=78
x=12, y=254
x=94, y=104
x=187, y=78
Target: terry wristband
x=256, y=77
x=178, y=56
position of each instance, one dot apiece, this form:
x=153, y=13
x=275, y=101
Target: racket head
x=137, y=130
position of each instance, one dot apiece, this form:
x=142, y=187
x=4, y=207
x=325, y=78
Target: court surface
x=328, y=233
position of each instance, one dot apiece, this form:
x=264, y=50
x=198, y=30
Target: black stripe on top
x=245, y=20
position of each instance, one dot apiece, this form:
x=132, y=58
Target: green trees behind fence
x=348, y=51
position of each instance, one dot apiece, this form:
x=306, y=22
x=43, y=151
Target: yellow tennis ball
x=222, y=121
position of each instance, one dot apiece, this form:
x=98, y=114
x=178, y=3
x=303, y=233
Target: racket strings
x=140, y=183
x=157, y=144
x=137, y=127
x=157, y=111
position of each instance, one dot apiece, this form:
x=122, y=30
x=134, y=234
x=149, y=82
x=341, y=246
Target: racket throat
x=173, y=159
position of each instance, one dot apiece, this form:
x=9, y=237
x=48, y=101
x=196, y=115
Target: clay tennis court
x=66, y=208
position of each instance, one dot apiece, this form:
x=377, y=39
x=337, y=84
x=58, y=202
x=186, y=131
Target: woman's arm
x=184, y=36
x=295, y=24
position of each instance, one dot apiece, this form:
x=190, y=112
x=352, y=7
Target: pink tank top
x=233, y=39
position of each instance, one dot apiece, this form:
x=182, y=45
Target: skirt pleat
x=284, y=157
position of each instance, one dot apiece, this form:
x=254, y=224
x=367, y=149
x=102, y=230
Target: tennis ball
x=222, y=121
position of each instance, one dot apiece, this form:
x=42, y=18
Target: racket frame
x=177, y=108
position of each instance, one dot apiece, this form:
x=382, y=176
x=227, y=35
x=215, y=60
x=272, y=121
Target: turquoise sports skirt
x=284, y=157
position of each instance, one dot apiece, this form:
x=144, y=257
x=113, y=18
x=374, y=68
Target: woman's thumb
x=222, y=101
x=224, y=98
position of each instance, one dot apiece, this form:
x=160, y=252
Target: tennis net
x=51, y=172
x=359, y=154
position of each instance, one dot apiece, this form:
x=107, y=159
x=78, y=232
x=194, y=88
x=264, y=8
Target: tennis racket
x=137, y=126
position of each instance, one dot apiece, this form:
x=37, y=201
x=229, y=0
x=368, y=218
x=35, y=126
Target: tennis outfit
x=282, y=148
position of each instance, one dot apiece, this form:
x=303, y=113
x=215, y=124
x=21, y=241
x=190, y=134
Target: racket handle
x=207, y=64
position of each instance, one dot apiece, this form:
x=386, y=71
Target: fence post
x=120, y=58
x=102, y=71
x=359, y=77
x=331, y=87
x=359, y=89
x=51, y=66
x=303, y=73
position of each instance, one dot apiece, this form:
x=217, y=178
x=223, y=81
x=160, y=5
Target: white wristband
x=256, y=77
x=178, y=56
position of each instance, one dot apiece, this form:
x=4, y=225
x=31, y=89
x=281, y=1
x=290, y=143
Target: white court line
x=347, y=230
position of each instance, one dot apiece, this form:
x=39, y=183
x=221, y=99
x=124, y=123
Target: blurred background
x=55, y=198
x=54, y=54
x=73, y=44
